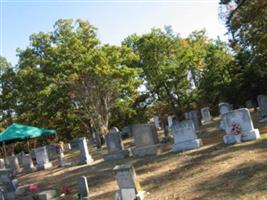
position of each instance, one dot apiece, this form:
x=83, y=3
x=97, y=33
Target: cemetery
x=133, y=100
x=190, y=166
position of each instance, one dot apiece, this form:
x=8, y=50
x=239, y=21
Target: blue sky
x=115, y=19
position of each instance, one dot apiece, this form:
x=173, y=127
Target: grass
x=215, y=171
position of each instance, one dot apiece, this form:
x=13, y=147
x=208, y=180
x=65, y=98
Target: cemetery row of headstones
x=236, y=123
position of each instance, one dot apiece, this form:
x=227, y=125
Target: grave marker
x=145, y=139
x=129, y=187
x=115, y=146
x=241, y=119
x=185, y=137
x=262, y=101
x=85, y=157
x=42, y=159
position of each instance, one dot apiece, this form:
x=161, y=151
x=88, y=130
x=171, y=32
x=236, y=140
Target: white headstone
x=262, y=101
x=85, y=157
x=224, y=108
x=129, y=187
x=27, y=163
x=170, y=121
x=83, y=188
x=242, y=118
x=42, y=158
x=157, y=122
x=193, y=115
x=2, y=163
x=185, y=137
x=14, y=163
x=205, y=113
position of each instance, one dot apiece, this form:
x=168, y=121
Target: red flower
x=34, y=187
x=66, y=190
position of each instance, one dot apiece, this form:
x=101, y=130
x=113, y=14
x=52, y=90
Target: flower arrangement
x=236, y=129
x=66, y=190
x=34, y=189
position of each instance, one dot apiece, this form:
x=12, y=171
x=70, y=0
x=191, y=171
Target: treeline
x=66, y=79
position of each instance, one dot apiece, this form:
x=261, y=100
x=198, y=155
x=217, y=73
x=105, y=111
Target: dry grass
x=215, y=171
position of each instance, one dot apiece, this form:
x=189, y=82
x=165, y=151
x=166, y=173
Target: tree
x=69, y=81
x=8, y=93
x=247, y=22
x=164, y=64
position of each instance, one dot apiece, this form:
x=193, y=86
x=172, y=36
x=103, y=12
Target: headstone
x=2, y=163
x=157, y=122
x=14, y=163
x=146, y=140
x=115, y=146
x=185, y=137
x=51, y=151
x=205, y=113
x=47, y=195
x=242, y=119
x=85, y=157
x=186, y=115
x=8, y=185
x=129, y=187
x=223, y=108
x=193, y=115
x=262, y=101
x=27, y=163
x=68, y=147
x=75, y=144
x=42, y=159
x=170, y=121
x=83, y=188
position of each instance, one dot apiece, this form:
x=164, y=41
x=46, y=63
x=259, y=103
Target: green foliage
x=68, y=81
x=247, y=24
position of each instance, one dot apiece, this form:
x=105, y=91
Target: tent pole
x=28, y=145
x=4, y=145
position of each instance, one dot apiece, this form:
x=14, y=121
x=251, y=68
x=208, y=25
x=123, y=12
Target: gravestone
x=205, y=113
x=193, y=115
x=170, y=121
x=47, y=195
x=42, y=159
x=242, y=118
x=145, y=139
x=129, y=187
x=262, y=101
x=2, y=163
x=27, y=163
x=8, y=185
x=8, y=189
x=75, y=144
x=14, y=163
x=85, y=157
x=83, y=188
x=185, y=137
x=157, y=122
x=223, y=108
x=51, y=151
x=115, y=146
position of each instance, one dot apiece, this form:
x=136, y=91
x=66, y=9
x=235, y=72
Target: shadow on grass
x=238, y=182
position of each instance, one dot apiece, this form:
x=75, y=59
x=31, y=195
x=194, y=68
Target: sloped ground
x=215, y=171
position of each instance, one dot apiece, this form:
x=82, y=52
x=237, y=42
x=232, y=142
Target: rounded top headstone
x=114, y=130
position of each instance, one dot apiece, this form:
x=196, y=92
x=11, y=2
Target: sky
x=114, y=19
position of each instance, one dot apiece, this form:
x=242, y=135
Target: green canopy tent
x=21, y=132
